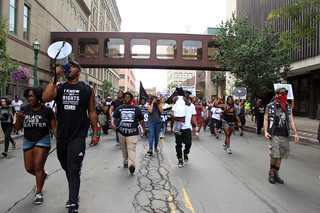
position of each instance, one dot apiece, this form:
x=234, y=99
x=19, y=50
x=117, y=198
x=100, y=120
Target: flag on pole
x=142, y=93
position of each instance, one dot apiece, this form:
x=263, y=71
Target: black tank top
x=229, y=116
x=72, y=104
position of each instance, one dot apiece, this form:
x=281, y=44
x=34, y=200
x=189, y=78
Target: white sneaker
x=229, y=151
x=197, y=133
x=224, y=146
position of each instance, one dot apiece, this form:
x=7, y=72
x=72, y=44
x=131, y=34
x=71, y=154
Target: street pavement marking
x=185, y=195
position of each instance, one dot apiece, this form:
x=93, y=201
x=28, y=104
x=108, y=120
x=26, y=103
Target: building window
x=128, y=78
x=26, y=22
x=190, y=75
x=114, y=48
x=186, y=75
x=180, y=75
x=122, y=76
x=166, y=49
x=180, y=82
x=191, y=50
x=176, y=82
x=13, y=16
x=176, y=75
x=140, y=48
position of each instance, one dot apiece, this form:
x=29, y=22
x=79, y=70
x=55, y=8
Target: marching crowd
x=77, y=108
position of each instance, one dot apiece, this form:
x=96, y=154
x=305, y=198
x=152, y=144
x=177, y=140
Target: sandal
x=14, y=146
x=150, y=152
x=156, y=150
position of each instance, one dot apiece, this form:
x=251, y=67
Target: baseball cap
x=128, y=93
x=109, y=97
x=75, y=64
x=17, y=96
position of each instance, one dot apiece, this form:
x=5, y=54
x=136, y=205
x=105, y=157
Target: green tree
x=134, y=93
x=7, y=65
x=304, y=15
x=106, y=87
x=257, y=59
x=170, y=86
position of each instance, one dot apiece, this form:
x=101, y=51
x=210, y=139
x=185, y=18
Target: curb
x=291, y=137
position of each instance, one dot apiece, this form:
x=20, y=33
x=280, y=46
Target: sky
x=168, y=16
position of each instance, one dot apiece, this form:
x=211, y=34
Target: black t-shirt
x=260, y=110
x=72, y=105
x=281, y=122
x=129, y=119
x=116, y=103
x=7, y=113
x=36, y=124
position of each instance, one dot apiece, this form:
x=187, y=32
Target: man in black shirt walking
x=128, y=132
x=276, y=126
x=73, y=99
x=114, y=105
x=259, y=111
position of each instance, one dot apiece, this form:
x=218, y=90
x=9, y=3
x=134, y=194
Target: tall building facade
x=127, y=80
x=305, y=75
x=178, y=76
x=31, y=20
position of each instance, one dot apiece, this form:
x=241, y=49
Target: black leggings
x=7, y=129
x=70, y=154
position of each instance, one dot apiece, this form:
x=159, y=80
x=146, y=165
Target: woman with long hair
x=164, y=125
x=205, y=116
x=8, y=116
x=199, y=109
x=36, y=119
x=154, y=123
x=228, y=117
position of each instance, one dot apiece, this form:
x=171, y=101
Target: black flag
x=142, y=93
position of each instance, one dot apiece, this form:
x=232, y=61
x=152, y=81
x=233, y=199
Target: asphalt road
x=212, y=181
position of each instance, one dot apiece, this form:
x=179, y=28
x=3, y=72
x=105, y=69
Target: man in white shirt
x=186, y=132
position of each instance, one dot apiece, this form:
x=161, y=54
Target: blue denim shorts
x=44, y=143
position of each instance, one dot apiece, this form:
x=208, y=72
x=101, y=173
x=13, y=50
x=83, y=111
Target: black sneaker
x=68, y=204
x=186, y=159
x=125, y=166
x=272, y=178
x=73, y=208
x=277, y=178
x=4, y=154
x=241, y=133
x=180, y=163
x=132, y=169
x=38, y=198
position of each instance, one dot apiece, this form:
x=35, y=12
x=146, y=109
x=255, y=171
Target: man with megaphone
x=73, y=99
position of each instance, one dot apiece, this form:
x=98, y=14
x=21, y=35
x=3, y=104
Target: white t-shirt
x=16, y=105
x=190, y=110
x=216, y=113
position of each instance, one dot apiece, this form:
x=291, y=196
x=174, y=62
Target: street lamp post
x=36, y=47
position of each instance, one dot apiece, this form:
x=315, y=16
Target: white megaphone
x=60, y=50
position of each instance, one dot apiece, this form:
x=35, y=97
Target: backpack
x=102, y=119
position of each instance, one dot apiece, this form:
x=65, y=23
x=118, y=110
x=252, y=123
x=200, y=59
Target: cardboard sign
x=288, y=87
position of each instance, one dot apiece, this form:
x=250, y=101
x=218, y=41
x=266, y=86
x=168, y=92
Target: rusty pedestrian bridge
x=140, y=50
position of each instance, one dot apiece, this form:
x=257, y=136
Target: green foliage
x=304, y=15
x=170, y=86
x=7, y=65
x=106, y=87
x=134, y=93
x=257, y=59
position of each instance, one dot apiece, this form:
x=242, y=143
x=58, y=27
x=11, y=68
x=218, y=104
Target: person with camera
x=130, y=115
x=74, y=100
x=154, y=123
x=36, y=119
x=8, y=118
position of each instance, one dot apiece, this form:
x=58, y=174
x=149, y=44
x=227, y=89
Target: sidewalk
x=307, y=130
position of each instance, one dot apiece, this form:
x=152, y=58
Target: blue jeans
x=154, y=130
x=116, y=123
x=163, y=131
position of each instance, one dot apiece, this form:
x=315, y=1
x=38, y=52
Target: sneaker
x=125, y=166
x=180, y=163
x=132, y=169
x=73, y=208
x=272, y=178
x=38, y=198
x=217, y=136
x=224, y=146
x=186, y=159
x=4, y=154
x=68, y=204
x=229, y=151
x=259, y=135
x=197, y=133
x=241, y=133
